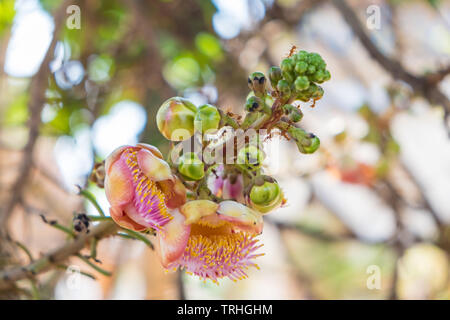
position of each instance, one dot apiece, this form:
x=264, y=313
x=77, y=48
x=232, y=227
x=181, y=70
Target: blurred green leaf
x=182, y=72
x=17, y=112
x=101, y=68
x=209, y=45
x=7, y=13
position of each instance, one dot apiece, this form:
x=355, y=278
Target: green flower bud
x=303, y=97
x=207, y=118
x=318, y=76
x=250, y=157
x=265, y=194
x=327, y=75
x=266, y=197
x=306, y=142
x=274, y=76
x=191, y=167
x=288, y=76
x=254, y=104
x=311, y=90
x=301, y=83
x=257, y=83
x=300, y=56
x=294, y=114
x=311, y=69
x=251, y=118
x=301, y=67
x=267, y=98
x=175, y=119
x=318, y=94
x=287, y=65
x=315, y=59
x=284, y=90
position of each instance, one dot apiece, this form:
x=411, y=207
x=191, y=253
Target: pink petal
x=172, y=241
x=153, y=167
x=114, y=156
x=241, y=216
x=119, y=217
x=174, y=191
x=196, y=209
x=119, y=183
x=151, y=148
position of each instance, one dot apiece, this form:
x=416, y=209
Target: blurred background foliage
x=375, y=195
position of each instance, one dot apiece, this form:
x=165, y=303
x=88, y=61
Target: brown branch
x=424, y=85
x=57, y=256
x=38, y=87
x=438, y=76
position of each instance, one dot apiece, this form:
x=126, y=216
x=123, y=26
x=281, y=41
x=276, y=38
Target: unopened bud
x=175, y=119
x=207, y=118
x=98, y=174
x=191, y=167
x=257, y=83
x=306, y=142
x=250, y=157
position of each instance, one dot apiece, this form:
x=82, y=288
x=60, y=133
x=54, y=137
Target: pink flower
x=211, y=240
x=140, y=187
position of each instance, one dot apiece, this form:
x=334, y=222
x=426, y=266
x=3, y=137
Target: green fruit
x=207, y=118
x=191, y=167
x=175, y=119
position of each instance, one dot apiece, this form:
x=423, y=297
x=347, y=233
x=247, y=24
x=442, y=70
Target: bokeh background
x=374, y=200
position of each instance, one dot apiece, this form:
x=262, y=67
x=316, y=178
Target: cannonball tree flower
x=141, y=188
x=211, y=240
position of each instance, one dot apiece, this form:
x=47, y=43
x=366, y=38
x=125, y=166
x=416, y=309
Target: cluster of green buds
x=298, y=77
x=274, y=106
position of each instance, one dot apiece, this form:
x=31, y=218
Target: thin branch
x=38, y=87
x=93, y=265
x=89, y=196
x=421, y=85
x=138, y=236
x=57, y=256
